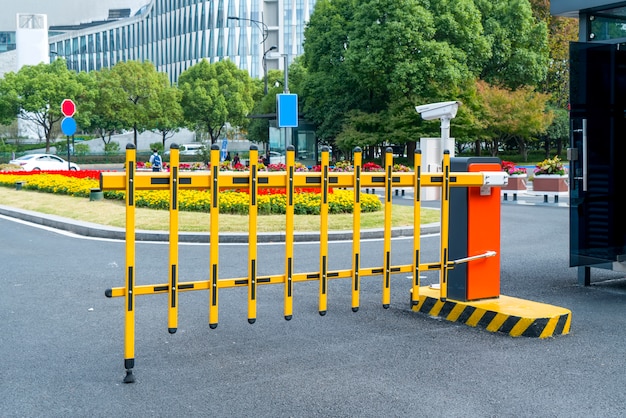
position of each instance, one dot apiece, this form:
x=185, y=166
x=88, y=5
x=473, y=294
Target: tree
x=363, y=57
x=34, y=94
x=103, y=106
x=139, y=85
x=513, y=114
x=213, y=94
x=518, y=41
x=561, y=31
x=167, y=112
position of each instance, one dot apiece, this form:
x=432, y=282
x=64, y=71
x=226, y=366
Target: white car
x=188, y=149
x=36, y=162
x=277, y=158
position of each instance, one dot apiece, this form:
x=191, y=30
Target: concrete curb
x=89, y=229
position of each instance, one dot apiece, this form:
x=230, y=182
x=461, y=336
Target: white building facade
x=176, y=34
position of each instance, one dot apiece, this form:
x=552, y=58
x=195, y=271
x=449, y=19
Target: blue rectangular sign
x=287, y=110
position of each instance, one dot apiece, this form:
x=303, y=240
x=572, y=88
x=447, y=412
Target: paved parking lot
x=62, y=340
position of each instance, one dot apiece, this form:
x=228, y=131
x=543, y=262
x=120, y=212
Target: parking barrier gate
x=215, y=181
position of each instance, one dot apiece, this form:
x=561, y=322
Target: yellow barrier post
x=445, y=224
x=215, y=237
x=356, y=230
x=289, y=232
x=172, y=314
x=323, y=306
x=129, y=328
x=417, y=205
x=387, y=226
x=252, y=234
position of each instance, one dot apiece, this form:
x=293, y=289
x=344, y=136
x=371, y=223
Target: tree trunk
x=135, y=134
x=477, y=148
x=410, y=151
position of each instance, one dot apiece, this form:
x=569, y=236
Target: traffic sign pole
x=68, y=124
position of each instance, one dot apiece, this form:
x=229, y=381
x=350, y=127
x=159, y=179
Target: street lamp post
x=272, y=48
x=264, y=30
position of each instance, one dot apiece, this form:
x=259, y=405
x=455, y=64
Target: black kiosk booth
x=597, y=150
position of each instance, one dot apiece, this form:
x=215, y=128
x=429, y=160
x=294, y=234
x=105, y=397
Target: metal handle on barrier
x=475, y=257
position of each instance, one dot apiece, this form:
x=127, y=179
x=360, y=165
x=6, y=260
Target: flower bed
x=270, y=201
x=517, y=176
x=550, y=176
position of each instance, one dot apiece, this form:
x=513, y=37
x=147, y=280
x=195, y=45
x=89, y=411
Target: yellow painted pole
x=289, y=226
x=387, y=223
x=129, y=322
x=323, y=305
x=417, y=206
x=252, y=235
x=445, y=225
x=214, y=240
x=356, y=230
x=172, y=314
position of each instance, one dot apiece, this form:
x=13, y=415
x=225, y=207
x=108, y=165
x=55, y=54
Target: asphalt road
x=62, y=339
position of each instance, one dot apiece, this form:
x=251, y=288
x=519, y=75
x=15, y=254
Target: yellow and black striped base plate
x=512, y=316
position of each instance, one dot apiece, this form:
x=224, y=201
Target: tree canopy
x=213, y=94
x=34, y=94
x=364, y=58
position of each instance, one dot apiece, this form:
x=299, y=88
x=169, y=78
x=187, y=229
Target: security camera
x=439, y=110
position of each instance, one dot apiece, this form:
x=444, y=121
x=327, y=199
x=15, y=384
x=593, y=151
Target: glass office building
x=176, y=34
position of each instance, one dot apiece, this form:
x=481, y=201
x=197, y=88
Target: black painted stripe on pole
x=253, y=188
x=444, y=265
x=324, y=267
x=291, y=186
x=214, y=285
x=417, y=268
x=131, y=183
x=253, y=278
x=215, y=190
x=357, y=186
x=173, y=286
x=356, y=272
x=130, y=289
x=387, y=272
x=447, y=183
x=388, y=184
x=289, y=276
x=175, y=188
x=325, y=186
x=418, y=190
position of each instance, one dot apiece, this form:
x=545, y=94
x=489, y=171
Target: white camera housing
x=440, y=110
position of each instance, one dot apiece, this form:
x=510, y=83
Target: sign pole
x=68, y=125
x=69, y=166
